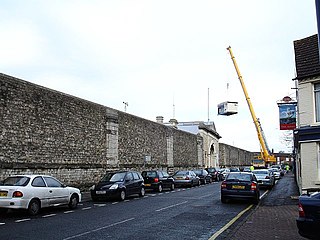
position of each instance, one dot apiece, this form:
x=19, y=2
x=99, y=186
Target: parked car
x=33, y=192
x=157, y=180
x=264, y=177
x=215, y=174
x=186, y=178
x=308, y=221
x=276, y=173
x=282, y=171
x=240, y=185
x=224, y=172
x=234, y=169
x=204, y=176
x=119, y=185
x=246, y=169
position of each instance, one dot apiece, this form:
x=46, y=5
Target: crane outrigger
x=266, y=157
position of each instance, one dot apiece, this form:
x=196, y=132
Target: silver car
x=186, y=178
x=33, y=192
x=264, y=177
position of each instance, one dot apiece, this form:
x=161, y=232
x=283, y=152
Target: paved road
x=194, y=213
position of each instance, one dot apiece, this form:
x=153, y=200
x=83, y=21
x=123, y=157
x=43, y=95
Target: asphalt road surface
x=185, y=213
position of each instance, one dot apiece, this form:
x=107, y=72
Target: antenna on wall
x=125, y=106
x=208, y=106
x=173, y=108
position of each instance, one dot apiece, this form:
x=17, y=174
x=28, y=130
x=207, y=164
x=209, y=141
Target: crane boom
x=265, y=154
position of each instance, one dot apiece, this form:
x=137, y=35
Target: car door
x=137, y=182
x=58, y=193
x=129, y=183
x=40, y=190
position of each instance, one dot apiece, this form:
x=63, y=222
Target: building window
x=317, y=101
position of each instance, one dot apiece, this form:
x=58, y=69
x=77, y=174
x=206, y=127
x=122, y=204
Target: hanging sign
x=287, y=115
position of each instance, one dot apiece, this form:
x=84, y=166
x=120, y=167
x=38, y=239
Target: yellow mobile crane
x=266, y=156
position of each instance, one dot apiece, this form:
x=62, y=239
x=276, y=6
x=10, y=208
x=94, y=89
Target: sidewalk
x=274, y=218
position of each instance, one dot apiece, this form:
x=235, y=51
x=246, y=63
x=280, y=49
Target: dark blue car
x=308, y=221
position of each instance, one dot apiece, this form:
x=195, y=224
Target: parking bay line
x=2, y=223
x=22, y=220
x=98, y=229
x=171, y=206
x=49, y=215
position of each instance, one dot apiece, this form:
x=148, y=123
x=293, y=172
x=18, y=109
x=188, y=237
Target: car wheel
x=199, y=183
x=160, y=188
x=142, y=192
x=34, y=207
x=223, y=199
x=172, y=186
x=122, y=195
x=74, y=200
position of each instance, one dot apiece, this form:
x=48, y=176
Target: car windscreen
x=198, y=172
x=261, y=172
x=238, y=177
x=113, y=177
x=183, y=173
x=16, y=181
x=149, y=174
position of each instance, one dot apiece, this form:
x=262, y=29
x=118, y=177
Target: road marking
x=100, y=205
x=171, y=206
x=126, y=200
x=264, y=194
x=49, y=215
x=86, y=208
x=225, y=227
x=114, y=202
x=71, y=211
x=23, y=220
x=98, y=229
x=2, y=223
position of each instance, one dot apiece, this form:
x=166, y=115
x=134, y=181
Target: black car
x=240, y=185
x=215, y=174
x=308, y=221
x=119, y=184
x=204, y=176
x=157, y=180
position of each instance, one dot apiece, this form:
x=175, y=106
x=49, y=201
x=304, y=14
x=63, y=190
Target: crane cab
x=227, y=108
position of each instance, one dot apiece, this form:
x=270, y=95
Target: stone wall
x=231, y=156
x=49, y=132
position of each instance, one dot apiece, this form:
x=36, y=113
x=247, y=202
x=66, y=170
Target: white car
x=276, y=173
x=33, y=192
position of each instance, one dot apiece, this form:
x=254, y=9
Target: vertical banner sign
x=287, y=114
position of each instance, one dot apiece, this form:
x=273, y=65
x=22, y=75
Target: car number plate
x=101, y=192
x=147, y=184
x=237, y=187
x=3, y=194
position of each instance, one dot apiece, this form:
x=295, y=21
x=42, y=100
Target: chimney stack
x=159, y=119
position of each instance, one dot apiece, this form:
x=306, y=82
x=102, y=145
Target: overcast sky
x=156, y=54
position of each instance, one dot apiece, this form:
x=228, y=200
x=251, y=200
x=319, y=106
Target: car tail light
x=253, y=186
x=301, y=211
x=223, y=184
x=156, y=180
x=187, y=178
x=267, y=177
x=17, y=194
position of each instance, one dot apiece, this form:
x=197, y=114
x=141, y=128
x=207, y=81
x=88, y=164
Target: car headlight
x=114, y=186
x=92, y=187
